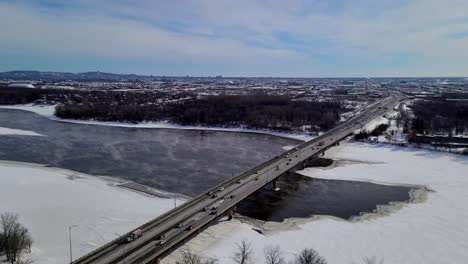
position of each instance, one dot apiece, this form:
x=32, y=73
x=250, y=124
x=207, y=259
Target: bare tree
x=273, y=255
x=210, y=261
x=373, y=260
x=190, y=258
x=244, y=253
x=309, y=256
x=15, y=237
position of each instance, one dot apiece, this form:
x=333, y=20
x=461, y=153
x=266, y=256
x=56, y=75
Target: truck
x=132, y=236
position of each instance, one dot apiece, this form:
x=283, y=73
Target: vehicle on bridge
x=131, y=236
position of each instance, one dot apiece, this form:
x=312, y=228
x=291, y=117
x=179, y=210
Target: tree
x=244, y=253
x=273, y=255
x=309, y=256
x=15, y=237
x=373, y=260
x=189, y=258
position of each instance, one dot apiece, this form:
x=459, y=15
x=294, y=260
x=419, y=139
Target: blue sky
x=296, y=38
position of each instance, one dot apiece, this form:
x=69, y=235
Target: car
x=232, y=196
x=256, y=172
x=213, y=212
x=239, y=181
x=179, y=225
x=205, y=208
x=137, y=233
x=214, y=207
x=214, y=196
x=256, y=178
x=161, y=242
x=277, y=167
x=190, y=227
x=221, y=189
x=210, y=193
x=287, y=163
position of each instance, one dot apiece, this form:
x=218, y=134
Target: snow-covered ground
x=11, y=131
x=44, y=110
x=374, y=124
x=432, y=230
x=49, y=200
x=49, y=110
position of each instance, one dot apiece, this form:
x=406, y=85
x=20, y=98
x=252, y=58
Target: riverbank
x=48, y=111
x=98, y=206
x=431, y=229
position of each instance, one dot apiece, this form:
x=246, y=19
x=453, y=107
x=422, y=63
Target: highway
x=166, y=232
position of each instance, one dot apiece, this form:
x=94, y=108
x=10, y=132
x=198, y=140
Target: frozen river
x=186, y=162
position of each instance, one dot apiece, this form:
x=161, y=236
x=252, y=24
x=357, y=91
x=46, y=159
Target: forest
x=440, y=117
x=251, y=111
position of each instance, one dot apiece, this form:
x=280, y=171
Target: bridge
x=165, y=233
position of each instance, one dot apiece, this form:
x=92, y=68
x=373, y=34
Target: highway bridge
x=165, y=233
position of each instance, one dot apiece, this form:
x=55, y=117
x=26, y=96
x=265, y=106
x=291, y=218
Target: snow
x=433, y=229
x=49, y=200
x=374, y=124
x=49, y=110
x=44, y=110
x=11, y=131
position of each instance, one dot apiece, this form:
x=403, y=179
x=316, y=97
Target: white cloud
x=223, y=31
x=29, y=29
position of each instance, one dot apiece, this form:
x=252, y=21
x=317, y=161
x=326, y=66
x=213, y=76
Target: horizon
x=246, y=77
x=323, y=39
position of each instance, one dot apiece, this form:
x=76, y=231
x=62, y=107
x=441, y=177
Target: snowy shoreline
x=50, y=199
x=22, y=132
x=48, y=112
x=433, y=229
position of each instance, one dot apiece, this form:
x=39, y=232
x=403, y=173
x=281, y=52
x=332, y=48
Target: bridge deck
x=169, y=230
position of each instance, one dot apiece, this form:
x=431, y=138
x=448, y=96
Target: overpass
x=165, y=233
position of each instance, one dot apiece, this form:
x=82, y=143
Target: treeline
x=19, y=95
x=252, y=111
x=244, y=254
x=440, y=116
x=10, y=96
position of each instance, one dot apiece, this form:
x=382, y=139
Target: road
x=166, y=232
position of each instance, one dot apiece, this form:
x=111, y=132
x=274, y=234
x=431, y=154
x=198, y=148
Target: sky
x=283, y=38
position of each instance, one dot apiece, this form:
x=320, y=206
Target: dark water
x=186, y=162
x=301, y=196
x=182, y=161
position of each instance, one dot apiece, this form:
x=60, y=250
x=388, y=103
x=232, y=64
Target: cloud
x=313, y=37
x=32, y=30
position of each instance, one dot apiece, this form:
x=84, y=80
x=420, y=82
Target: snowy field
x=10, y=131
x=49, y=110
x=49, y=200
x=432, y=230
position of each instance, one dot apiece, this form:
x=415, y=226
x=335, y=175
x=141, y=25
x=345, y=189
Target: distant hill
x=38, y=75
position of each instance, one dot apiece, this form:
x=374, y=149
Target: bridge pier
x=231, y=213
x=275, y=185
x=156, y=261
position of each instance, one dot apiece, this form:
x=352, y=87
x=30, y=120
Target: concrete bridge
x=165, y=233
